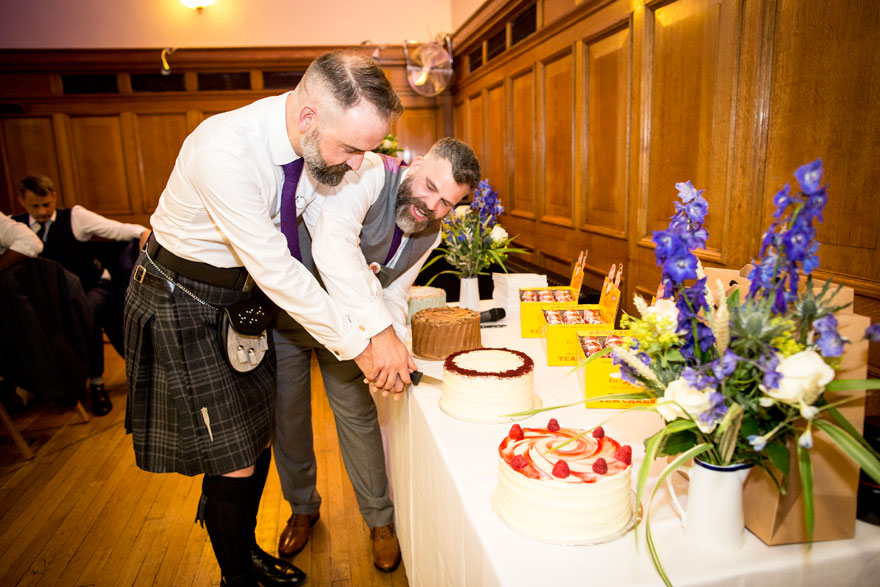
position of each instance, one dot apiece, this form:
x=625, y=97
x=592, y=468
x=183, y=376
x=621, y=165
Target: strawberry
x=553, y=425
x=518, y=462
x=624, y=454
x=516, y=432
x=599, y=432
x=600, y=466
x=561, y=470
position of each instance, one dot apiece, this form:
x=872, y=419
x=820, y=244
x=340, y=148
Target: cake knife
x=417, y=377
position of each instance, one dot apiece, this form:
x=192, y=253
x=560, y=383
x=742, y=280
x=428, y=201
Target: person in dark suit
x=67, y=235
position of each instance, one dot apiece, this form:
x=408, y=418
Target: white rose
x=689, y=401
x=462, y=211
x=804, y=377
x=498, y=234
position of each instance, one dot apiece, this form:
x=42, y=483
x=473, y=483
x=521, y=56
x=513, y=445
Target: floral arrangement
x=472, y=239
x=388, y=146
x=742, y=380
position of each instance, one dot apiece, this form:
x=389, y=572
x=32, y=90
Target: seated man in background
x=45, y=322
x=65, y=233
x=372, y=234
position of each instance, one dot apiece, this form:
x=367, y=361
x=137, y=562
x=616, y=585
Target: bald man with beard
x=194, y=407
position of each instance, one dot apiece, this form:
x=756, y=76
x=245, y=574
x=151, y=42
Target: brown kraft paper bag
x=779, y=519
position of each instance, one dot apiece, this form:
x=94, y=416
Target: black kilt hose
x=188, y=411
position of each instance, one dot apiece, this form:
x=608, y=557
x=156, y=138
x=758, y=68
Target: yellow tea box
x=562, y=325
x=601, y=376
x=532, y=303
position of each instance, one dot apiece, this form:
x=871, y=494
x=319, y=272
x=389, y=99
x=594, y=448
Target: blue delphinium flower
x=716, y=410
x=768, y=364
x=809, y=176
x=684, y=234
x=829, y=342
x=872, y=333
x=487, y=203
x=788, y=248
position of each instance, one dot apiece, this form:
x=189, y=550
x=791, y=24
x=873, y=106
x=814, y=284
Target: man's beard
x=322, y=172
x=408, y=223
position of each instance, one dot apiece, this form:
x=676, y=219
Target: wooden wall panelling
x=459, y=114
x=689, y=81
x=495, y=167
x=607, y=69
x=523, y=138
x=132, y=168
x=158, y=141
x=29, y=149
x=556, y=140
x=417, y=129
x=475, y=125
x=99, y=168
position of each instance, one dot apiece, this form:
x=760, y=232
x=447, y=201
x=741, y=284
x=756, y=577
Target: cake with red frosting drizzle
x=578, y=493
x=484, y=385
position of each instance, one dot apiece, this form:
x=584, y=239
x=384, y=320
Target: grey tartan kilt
x=177, y=373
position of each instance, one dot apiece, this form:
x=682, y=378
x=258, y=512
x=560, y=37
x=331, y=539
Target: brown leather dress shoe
x=386, y=549
x=296, y=533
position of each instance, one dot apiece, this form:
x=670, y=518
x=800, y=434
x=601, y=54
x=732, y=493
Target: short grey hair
x=351, y=77
x=464, y=162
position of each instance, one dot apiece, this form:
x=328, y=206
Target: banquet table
x=443, y=472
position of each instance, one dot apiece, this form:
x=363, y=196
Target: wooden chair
x=23, y=447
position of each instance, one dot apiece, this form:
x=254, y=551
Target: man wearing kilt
x=201, y=393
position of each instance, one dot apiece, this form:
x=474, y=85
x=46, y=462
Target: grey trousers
x=360, y=438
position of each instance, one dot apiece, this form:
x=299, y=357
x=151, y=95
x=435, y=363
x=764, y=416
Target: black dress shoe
x=274, y=572
x=101, y=404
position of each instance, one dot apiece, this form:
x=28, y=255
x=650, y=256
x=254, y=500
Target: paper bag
x=779, y=519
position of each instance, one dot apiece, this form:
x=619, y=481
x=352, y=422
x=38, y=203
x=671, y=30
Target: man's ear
x=414, y=164
x=308, y=116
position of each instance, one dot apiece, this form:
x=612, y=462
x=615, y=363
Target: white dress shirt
x=335, y=222
x=85, y=224
x=15, y=236
x=222, y=204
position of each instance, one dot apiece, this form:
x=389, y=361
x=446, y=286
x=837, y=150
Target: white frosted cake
x=482, y=385
x=423, y=296
x=578, y=494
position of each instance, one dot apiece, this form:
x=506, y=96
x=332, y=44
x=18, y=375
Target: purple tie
x=289, y=229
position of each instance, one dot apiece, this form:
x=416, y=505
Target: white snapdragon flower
x=462, y=211
x=664, y=314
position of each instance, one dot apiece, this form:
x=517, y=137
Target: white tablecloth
x=443, y=473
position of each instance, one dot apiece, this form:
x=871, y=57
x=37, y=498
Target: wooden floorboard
x=82, y=513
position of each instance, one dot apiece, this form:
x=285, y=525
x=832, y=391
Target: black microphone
x=492, y=315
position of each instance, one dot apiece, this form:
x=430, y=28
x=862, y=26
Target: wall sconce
x=166, y=68
x=196, y=5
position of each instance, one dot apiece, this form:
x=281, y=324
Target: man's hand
x=392, y=361
x=143, y=240
x=365, y=362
